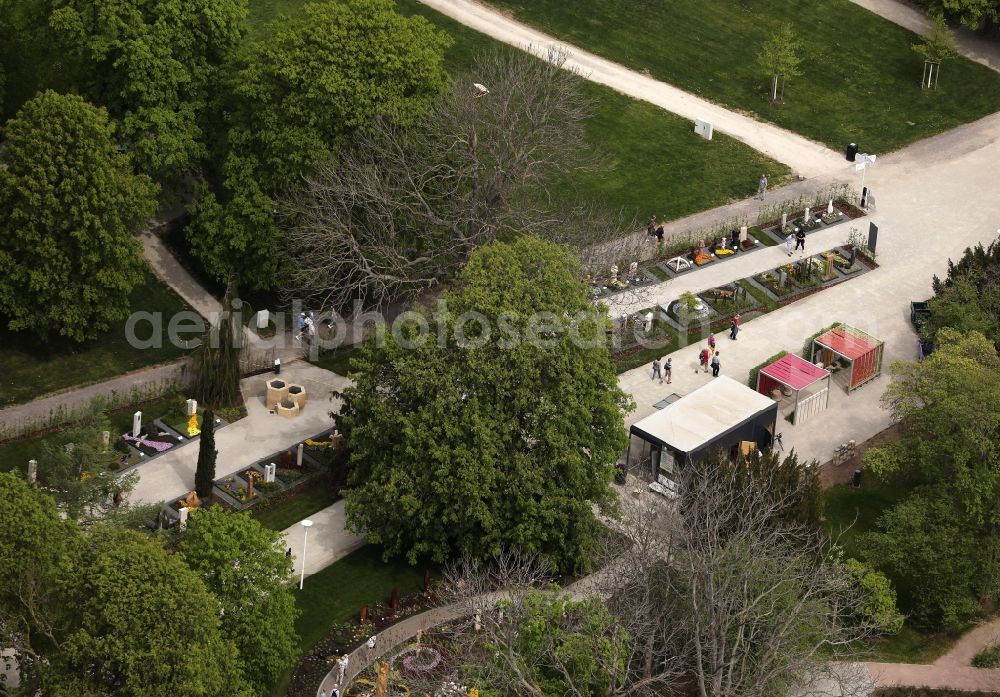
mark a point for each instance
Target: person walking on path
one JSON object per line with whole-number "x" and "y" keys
{"x": 761, "y": 187}
{"x": 703, "y": 359}
{"x": 656, "y": 370}
{"x": 715, "y": 365}
{"x": 651, "y": 226}
{"x": 790, "y": 243}
{"x": 668, "y": 370}
{"x": 342, "y": 668}
{"x": 711, "y": 342}
{"x": 734, "y": 326}
{"x": 800, "y": 241}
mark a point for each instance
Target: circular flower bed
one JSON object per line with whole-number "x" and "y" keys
{"x": 417, "y": 661}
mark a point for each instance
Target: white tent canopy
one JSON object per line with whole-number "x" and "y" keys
{"x": 703, "y": 416}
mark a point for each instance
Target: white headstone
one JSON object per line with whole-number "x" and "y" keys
{"x": 263, "y": 317}
{"x": 782, "y": 278}
{"x": 633, "y": 269}
{"x": 743, "y": 234}
{"x": 649, "y": 322}
{"x": 829, "y": 207}
{"x": 298, "y": 455}
{"x": 192, "y": 407}
{"x": 614, "y": 272}
{"x": 703, "y": 128}
{"x": 269, "y": 473}
{"x": 32, "y": 471}
{"x": 806, "y": 217}
{"x": 136, "y": 424}
{"x": 183, "y": 519}
{"x": 106, "y": 439}
{"x": 784, "y": 220}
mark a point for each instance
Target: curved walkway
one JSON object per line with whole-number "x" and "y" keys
{"x": 952, "y": 670}
{"x": 805, "y": 157}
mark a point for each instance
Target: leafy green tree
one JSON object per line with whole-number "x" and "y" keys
{"x": 779, "y": 59}
{"x": 77, "y": 469}
{"x": 316, "y": 80}
{"x": 959, "y": 307}
{"x": 244, "y": 565}
{"x": 153, "y": 64}
{"x": 933, "y": 563}
{"x": 68, "y": 260}
{"x": 974, "y": 14}
{"x": 34, "y": 547}
{"x": 936, "y": 48}
{"x": 204, "y": 474}
{"x": 322, "y": 76}
{"x": 949, "y": 409}
{"x": 142, "y": 624}
{"x": 880, "y": 609}
{"x": 482, "y": 438}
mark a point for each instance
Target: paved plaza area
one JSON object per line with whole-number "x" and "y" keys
{"x": 934, "y": 199}
{"x": 248, "y": 440}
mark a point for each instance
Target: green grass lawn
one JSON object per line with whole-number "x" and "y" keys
{"x": 290, "y": 511}
{"x": 32, "y": 369}
{"x": 337, "y": 593}
{"x": 338, "y": 360}
{"x": 860, "y": 79}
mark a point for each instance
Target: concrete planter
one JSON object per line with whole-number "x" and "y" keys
{"x": 277, "y": 391}
{"x": 297, "y": 393}
{"x": 287, "y": 408}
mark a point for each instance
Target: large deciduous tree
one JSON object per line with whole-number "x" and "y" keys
{"x": 490, "y": 434}
{"x": 34, "y": 551}
{"x": 154, "y": 65}
{"x": 68, "y": 260}
{"x": 315, "y": 80}
{"x": 948, "y": 406}
{"x": 401, "y": 209}
{"x": 974, "y": 14}
{"x": 140, "y": 623}
{"x": 244, "y": 565}
{"x": 762, "y": 601}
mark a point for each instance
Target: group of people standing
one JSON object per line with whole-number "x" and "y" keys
{"x": 707, "y": 357}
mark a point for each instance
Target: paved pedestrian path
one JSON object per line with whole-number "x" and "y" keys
{"x": 806, "y": 158}
{"x": 36, "y": 413}
{"x": 329, "y": 540}
{"x": 970, "y": 44}
{"x": 169, "y": 270}
{"x": 248, "y": 440}
{"x": 952, "y": 670}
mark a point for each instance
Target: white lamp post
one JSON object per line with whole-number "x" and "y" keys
{"x": 306, "y": 524}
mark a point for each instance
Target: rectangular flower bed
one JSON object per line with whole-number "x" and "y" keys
{"x": 769, "y": 280}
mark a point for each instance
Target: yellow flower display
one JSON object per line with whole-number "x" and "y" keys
{"x": 192, "y": 428}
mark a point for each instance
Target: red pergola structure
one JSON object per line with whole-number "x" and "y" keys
{"x": 861, "y": 350}
{"x": 797, "y": 374}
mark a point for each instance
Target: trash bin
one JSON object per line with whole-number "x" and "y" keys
{"x": 852, "y": 150}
